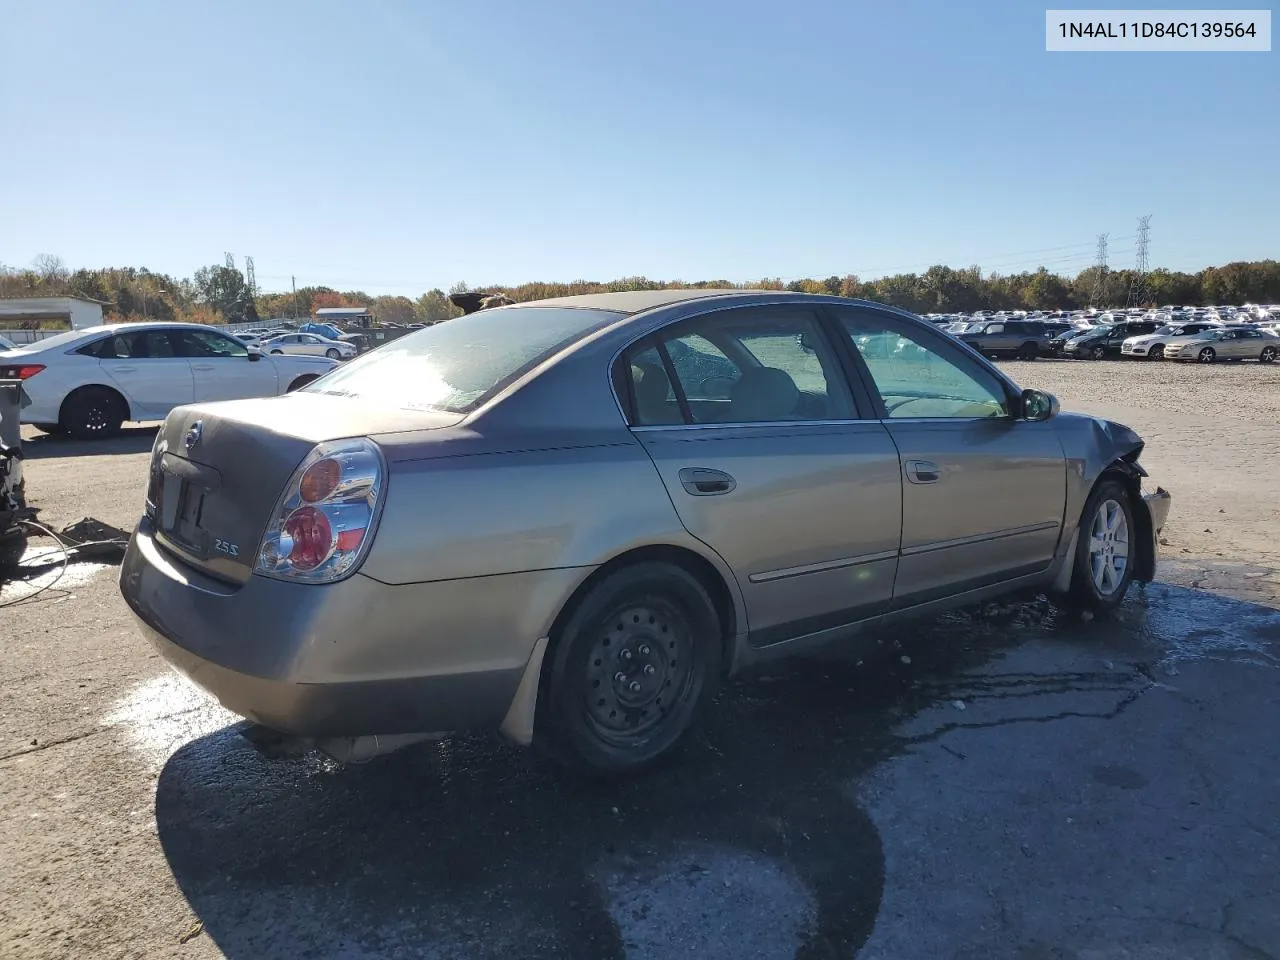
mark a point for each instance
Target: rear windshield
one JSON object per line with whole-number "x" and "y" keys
{"x": 457, "y": 365}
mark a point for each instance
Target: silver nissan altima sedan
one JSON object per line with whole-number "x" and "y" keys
{"x": 569, "y": 520}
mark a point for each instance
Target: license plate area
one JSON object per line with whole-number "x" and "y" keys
{"x": 183, "y": 489}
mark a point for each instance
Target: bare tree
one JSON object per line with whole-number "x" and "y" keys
{"x": 50, "y": 268}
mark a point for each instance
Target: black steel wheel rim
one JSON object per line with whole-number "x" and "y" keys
{"x": 96, "y": 417}
{"x": 640, "y": 671}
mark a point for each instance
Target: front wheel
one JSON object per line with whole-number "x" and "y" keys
{"x": 1157, "y": 352}
{"x": 1268, "y": 355}
{"x": 277, "y": 353}
{"x": 1103, "y": 568}
{"x": 1207, "y": 355}
{"x": 1028, "y": 351}
{"x": 333, "y": 354}
{"x": 629, "y": 672}
{"x": 1099, "y": 353}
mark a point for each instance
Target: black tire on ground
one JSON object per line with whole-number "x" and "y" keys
{"x": 333, "y": 354}
{"x": 1207, "y": 355}
{"x": 93, "y": 413}
{"x": 1157, "y": 352}
{"x": 1107, "y": 511}
{"x": 630, "y": 670}
{"x": 302, "y": 381}
{"x": 1098, "y": 353}
{"x": 1268, "y": 355}
{"x": 277, "y": 353}
{"x": 1028, "y": 351}
{"x": 56, "y": 429}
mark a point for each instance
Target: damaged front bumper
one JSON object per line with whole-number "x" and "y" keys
{"x": 1158, "y": 503}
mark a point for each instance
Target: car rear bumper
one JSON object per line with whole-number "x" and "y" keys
{"x": 348, "y": 659}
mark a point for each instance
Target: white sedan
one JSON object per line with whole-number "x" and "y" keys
{"x": 88, "y": 382}
{"x": 308, "y": 345}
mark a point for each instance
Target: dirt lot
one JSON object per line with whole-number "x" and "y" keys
{"x": 996, "y": 783}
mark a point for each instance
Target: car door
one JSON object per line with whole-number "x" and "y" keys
{"x": 222, "y": 368}
{"x": 1244, "y": 344}
{"x": 984, "y": 492}
{"x": 148, "y": 369}
{"x": 749, "y": 419}
{"x": 310, "y": 345}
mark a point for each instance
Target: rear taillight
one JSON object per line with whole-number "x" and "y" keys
{"x": 158, "y": 449}
{"x": 324, "y": 522}
{"x": 21, "y": 371}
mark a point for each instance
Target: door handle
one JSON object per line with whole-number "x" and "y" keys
{"x": 923, "y": 471}
{"x": 705, "y": 482}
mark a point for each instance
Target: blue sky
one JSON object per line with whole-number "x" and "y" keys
{"x": 396, "y": 146}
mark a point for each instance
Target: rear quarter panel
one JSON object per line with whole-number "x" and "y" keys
{"x": 480, "y": 514}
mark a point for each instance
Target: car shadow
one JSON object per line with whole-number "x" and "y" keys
{"x": 464, "y": 841}
{"x": 49, "y": 446}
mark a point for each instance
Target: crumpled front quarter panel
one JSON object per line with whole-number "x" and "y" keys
{"x": 1091, "y": 445}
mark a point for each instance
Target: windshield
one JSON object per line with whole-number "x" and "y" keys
{"x": 457, "y": 365}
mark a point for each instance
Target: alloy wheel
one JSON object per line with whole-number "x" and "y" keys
{"x": 1109, "y": 547}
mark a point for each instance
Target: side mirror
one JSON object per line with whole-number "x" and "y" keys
{"x": 805, "y": 340}
{"x": 254, "y": 354}
{"x": 1038, "y": 405}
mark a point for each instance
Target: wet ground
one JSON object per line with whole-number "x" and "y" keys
{"x": 1002, "y": 782}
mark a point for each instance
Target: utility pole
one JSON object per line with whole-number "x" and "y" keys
{"x": 294, "y": 281}
{"x": 1100, "y": 278}
{"x": 249, "y": 279}
{"x": 230, "y": 261}
{"x": 1139, "y": 290}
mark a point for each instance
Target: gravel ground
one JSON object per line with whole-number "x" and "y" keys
{"x": 996, "y": 783}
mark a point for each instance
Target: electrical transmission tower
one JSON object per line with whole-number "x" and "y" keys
{"x": 1140, "y": 289}
{"x": 230, "y": 262}
{"x": 1100, "y": 279}
{"x": 249, "y": 278}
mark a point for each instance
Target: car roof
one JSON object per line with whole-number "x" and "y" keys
{"x": 638, "y": 301}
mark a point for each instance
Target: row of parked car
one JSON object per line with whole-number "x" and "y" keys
{"x": 1150, "y": 337}
{"x": 307, "y": 340}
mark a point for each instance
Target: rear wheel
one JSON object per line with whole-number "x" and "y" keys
{"x": 1028, "y": 351}
{"x": 1103, "y": 568}
{"x": 630, "y": 670}
{"x": 1157, "y": 352}
{"x": 1268, "y": 355}
{"x": 93, "y": 413}
{"x": 333, "y": 354}
{"x": 301, "y": 382}
{"x": 1099, "y": 353}
{"x": 1207, "y": 355}
{"x": 277, "y": 353}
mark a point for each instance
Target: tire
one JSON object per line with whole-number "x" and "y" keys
{"x": 1028, "y": 351}
{"x": 333, "y": 354}
{"x": 277, "y": 353}
{"x": 1098, "y": 353}
{"x": 301, "y": 382}
{"x": 54, "y": 429}
{"x": 644, "y": 634}
{"x": 93, "y": 413}
{"x": 1093, "y": 586}
{"x": 1207, "y": 355}
{"x": 1157, "y": 352}
{"x": 1268, "y": 355}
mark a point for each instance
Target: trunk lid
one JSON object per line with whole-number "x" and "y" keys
{"x": 225, "y": 465}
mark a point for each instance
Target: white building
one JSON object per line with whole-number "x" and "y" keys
{"x": 73, "y": 311}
